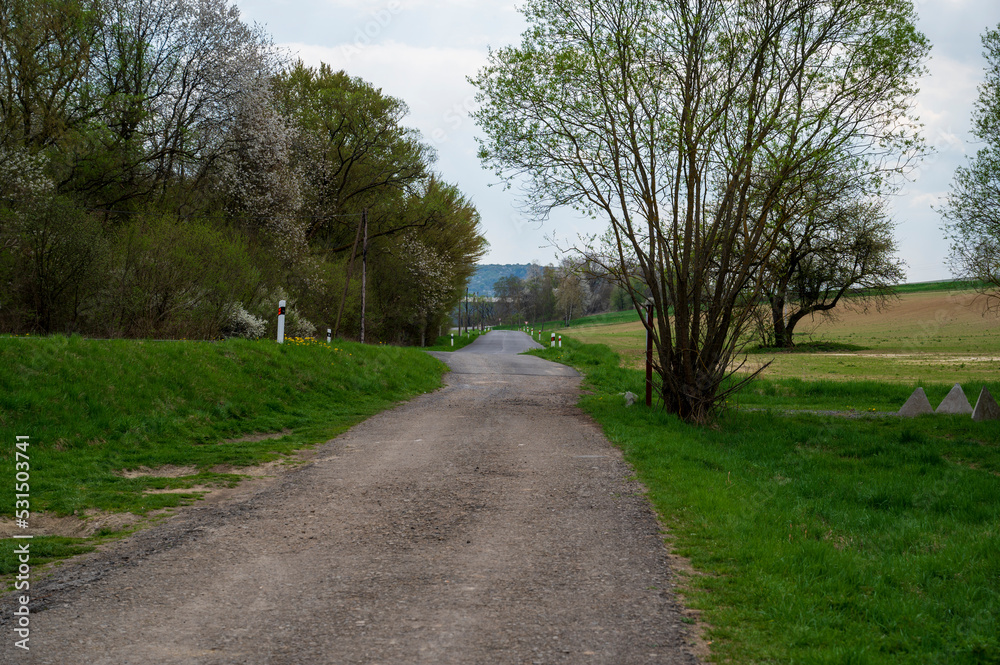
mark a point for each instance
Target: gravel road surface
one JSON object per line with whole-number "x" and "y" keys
{"x": 489, "y": 522}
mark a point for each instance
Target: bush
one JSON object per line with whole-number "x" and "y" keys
{"x": 176, "y": 279}
{"x": 242, "y": 323}
{"x": 51, "y": 264}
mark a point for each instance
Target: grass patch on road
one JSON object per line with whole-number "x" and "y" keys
{"x": 95, "y": 410}
{"x": 821, "y": 539}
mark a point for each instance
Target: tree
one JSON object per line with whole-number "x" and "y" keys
{"x": 359, "y": 156}
{"x": 572, "y": 295}
{"x": 834, "y": 241}
{"x": 509, "y": 292}
{"x": 973, "y": 205}
{"x": 660, "y": 115}
{"x": 44, "y": 56}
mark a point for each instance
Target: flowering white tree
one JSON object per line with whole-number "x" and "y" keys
{"x": 170, "y": 78}
{"x": 260, "y": 174}
{"x": 433, "y": 280}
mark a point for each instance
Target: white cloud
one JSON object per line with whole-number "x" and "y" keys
{"x": 944, "y": 103}
{"x": 431, "y": 80}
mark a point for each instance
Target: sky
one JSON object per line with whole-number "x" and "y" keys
{"x": 422, "y": 51}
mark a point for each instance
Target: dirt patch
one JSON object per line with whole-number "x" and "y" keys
{"x": 256, "y": 438}
{"x": 194, "y": 489}
{"x": 272, "y": 468}
{"x": 166, "y": 471}
{"x": 71, "y": 526}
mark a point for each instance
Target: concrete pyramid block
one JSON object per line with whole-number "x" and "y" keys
{"x": 917, "y": 404}
{"x": 986, "y": 407}
{"x": 955, "y": 402}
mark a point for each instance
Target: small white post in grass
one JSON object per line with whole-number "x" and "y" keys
{"x": 453, "y": 339}
{"x": 560, "y": 341}
{"x": 281, "y": 322}
{"x": 329, "y": 335}
{"x": 552, "y": 342}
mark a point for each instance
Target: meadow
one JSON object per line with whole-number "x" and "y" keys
{"x": 819, "y": 527}
{"x": 924, "y": 336}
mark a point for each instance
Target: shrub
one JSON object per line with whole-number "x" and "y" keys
{"x": 242, "y": 323}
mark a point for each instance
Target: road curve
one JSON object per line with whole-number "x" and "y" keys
{"x": 489, "y": 522}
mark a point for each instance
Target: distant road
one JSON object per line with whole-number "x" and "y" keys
{"x": 496, "y": 353}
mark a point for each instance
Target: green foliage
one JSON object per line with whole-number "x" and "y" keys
{"x": 973, "y": 203}
{"x": 159, "y": 171}
{"x": 821, "y": 539}
{"x": 176, "y": 279}
{"x": 53, "y": 263}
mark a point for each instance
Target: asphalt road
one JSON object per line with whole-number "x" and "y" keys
{"x": 489, "y": 522}
{"x": 496, "y": 353}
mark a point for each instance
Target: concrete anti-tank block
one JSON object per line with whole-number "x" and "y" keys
{"x": 986, "y": 407}
{"x": 956, "y": 402}
{"x": 918, "y": 404}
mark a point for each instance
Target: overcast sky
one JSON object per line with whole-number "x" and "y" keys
{"x": 421, "y": 51}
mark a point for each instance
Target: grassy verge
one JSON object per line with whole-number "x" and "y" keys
{"x": 95, "y": 409}
{"x": 444, "y": 342}
{"x": 820, "y": 539}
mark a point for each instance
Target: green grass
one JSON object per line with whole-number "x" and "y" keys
{"x": 44, "y": 549}
{"x": 946, "y": 285}
{"x": 444, "y": 342}
{"x": 821, "y": 539}
{"x": 93, "y": 409}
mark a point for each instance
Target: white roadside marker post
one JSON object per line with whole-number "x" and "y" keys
{"x": 281, "y": 322}
{"x": 329, "y": 334}
{"x": 560, "y": 341}
{"x": 552, "y": 342}
{"x": 453, "y": 339}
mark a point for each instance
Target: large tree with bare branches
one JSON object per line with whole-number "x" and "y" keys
{"x": 665, "y": 116}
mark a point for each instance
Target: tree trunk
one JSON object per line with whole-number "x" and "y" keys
{"x": 782, "y": 334}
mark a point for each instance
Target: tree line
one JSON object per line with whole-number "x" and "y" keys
{"x": 546, "y": 293}
{"x": 165, "y": 171}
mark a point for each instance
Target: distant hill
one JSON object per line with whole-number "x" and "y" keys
{"x": 486, "y": 275}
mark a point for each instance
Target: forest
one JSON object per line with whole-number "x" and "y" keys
{"x": 167, "y": 172}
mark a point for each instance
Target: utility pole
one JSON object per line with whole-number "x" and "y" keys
{"x": 364, "y": 271}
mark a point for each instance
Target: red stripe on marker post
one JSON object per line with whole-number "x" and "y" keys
{"x": 281, "y": 322}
